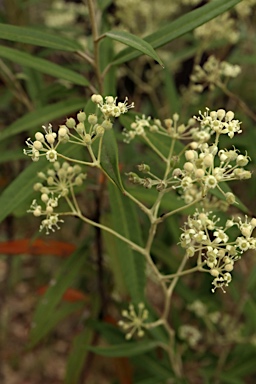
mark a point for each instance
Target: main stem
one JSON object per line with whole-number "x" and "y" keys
{"x": 95, "y": 35}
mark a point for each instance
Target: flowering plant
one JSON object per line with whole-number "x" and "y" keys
{"x": 158, "y": 242}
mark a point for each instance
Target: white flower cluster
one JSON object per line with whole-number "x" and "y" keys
{"x": 111, "y": 108}
{"x": 218, "y": 122}
{"x": 202, "y": 236}
{"x": 56, "y": 183}
{"x": 207, "y": 166}
{"x": 44, "y": 144}
{"x": 84, "y": 131}
{"x": 190, "y": 334}
{"x": 223, "y": 27}
{"x": 134, "y": 321}
{"x": 211, "y": 73}
{"x": 171, "y": 128}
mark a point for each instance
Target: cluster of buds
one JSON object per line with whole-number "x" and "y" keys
{"x": 111, "y": 108}
{"x": 55, "y": 183}
{"x": 212, "y": 73}
{"x": 83, "y": 131}
{"x": 208, "y": 166}
{"x": 203, "y": 236}
{"x": 134, "y": 321}
{"x": 146, "y": 182}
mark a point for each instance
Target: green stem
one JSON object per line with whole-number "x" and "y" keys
{"x": 163, "y": 217}
{"x": 94, "y": 164}
{"x": 95, "y": 36}
{"x": 133, "y": 245}
{"x": 237, "y": 99}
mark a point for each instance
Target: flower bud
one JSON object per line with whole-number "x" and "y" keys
{"x": 92, "y": 119}
{"x": 100, "y": 130}
{"x": 214, "y": 272}
{"x": 230, "y": 197}
{"x": 70, "y": 122}
{"x": 199, "y": 173}
{"x": 81, "y": 116}
{"x": 44, "y": 197}
{"x": 208, "y": 160}
{"x": 106, "y": 124}
{"x": 87, "y": 139}
{"x": 188, "y": 166}
{"x": 97, "y": 99}
{"x": 80, "y": 128}
{"x": 143, "y": 168}
{"x": 39, "y": 136}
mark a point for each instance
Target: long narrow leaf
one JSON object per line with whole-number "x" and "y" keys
{"x": 41, "y": 116}
{"x": 179, "y": 27}
{"x": 37, "y": 37}
{"x": 126, "y": 349}
{"x": 45, "y": 311}
{"x": 134, "y": 42}
{"x": 109, "y": 159}
{"x": 125, "y": 221}
{"x": 42, "y": 65}
{"x": 77, "y": 356}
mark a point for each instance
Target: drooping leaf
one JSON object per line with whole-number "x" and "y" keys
{"x": 41, "y": 116}
{"x": 42, "y": 65}
{"x": 179, "y": 27}
{"x": 37, "y": 37}
{"x": 135, "y": 42}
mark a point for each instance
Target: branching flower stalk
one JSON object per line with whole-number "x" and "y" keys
{"x": 192, "y": 175}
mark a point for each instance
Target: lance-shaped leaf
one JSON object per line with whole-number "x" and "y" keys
{"x": 132, "y": 264}
{"x": 42, "y": 116}
{"x": 42, "y": 65}
{"x": 37, "y": 37}
{"x": 179, "y": 27}
{"x": 45, "y": 314}
{"x": 135, "y": 42}
{"x": 127, "y": 349}
{"x": 109, "y": 159}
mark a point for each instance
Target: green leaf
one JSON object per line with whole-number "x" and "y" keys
{"x": 45, "y": 315}
{"x": 127, "y": 349}
{"x": 42, "y": 329}
{"x": 42, "y": 65}
{"x": 7, "y": 156}
{"x": 134, "y": 42}
{"x": 22, "y": 187}
{"x": 112, "y": 250}
{"x": 37, "y": 37}
{"x": 77, "y": 356}
{"x": 154, "y": 367}
{"x": 42, "y": 116}
{"x": 109, "y": 159}
{"x": 125, "y": 221}
{"x": 179, "y": 27}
